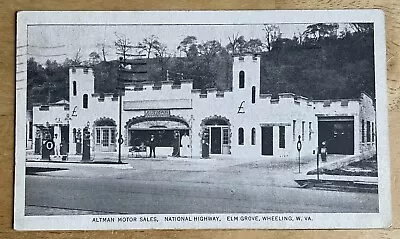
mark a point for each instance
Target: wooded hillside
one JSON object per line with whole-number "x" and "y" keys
{"x": 318, "y": 63}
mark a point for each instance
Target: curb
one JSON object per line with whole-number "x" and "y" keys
{"x": 339, "y": 185}
{"x": 83, "y": 164}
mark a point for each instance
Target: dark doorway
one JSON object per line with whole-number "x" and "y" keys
{"x": 338, "y": 135}
{"x": 215, "y": 140}
{"x": 267, "y": 141}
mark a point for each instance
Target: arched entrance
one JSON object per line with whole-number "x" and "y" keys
{"x": 105, "y": 135}
{"x": 218, "y": 129}
{"x": 165, "y": 129}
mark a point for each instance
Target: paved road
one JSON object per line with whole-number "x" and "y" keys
{"x": 163, "y": 186}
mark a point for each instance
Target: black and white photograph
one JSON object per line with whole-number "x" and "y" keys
{"x": 230, "y": 119}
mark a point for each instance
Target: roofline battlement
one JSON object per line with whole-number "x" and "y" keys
{"x": 342, "y": 102}
{"x": 209, "y": 92}
{"x": 265, "y": 96}
{"x": 101, "y": 97}
{"x": 297, "y": 99}
{"x": 159, "y": 85}
{"x": 80, "y": 70}
{"x": 244, "y": 57}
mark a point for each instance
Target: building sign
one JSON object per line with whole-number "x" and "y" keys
{"x": 157, "y": 113}
{"x": 240, "y": 108}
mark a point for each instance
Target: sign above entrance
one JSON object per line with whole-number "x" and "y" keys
{"x": 157, "y": 113}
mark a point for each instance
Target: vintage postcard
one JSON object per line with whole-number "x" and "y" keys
{"x": 201, "y": 119}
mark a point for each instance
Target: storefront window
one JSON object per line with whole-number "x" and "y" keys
{"x": 225, "y": 136}
{"x": 105, "y": 141}
{"x": 373, "y": 132}
{"x": 112, "y": 136}
{"x": 362, "y": 131}
{"x": 97, "y": 136}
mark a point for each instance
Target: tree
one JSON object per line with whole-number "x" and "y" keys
{"x": 149, "y": 45}
{"x": 163, "y": 56}
{"x": 253, "y": 46}
{"x": 46, "y": 84}
{"x": 123, "y": 45}
{"x": 362, "y": 27}
{"x": 272, "y": 34}
{"x": 236, "y": 44}
{"x": 77, "y": 59}
{"x": 321, "y": 30}
{"x": 187, "y": 44}
{"x": 210, "y": 48}
{"x": 94, "y": 58}
{"x": 103, "y": 48}
{"x": 208, "y": 52}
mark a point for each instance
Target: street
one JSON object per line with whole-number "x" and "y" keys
{"x": 183, "y": 186}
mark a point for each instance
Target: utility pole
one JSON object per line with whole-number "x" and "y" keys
{"x": 121, "y": 65}
{"x": 123, "y": 46}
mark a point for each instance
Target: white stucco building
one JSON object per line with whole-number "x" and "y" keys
{"x": 241, "y": 122}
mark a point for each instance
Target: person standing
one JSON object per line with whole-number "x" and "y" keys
{"x": 152, "y": 145}
{"x": 176, "y": 152}
{"x": 185, "y": 142}
{"x": 57, "y": 145}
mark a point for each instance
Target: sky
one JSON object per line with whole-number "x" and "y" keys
{"x": 57, "y": 42}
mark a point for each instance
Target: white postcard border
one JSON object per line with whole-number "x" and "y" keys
{"x": 319, "y": 220}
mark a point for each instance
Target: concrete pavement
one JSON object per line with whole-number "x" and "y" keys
{"x": 184, "y": 185}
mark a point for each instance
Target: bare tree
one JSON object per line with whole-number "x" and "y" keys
{"x": 272, "y": 34}
{"x": 162, "y": 55}
{"x": 77, "y": 60}
{"x": 123, "y": 45}
{"x": 362, "y": 27}
{"x": 103, "y": 48}
{"x": 300, "y": 37}
{"x": 149, "y": 45}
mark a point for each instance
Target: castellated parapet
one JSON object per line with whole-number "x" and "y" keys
{"x": 81, "y": 70}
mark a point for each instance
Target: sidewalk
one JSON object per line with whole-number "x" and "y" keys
{"x": 215, "y": 162}
{"x": 73, "y": 160}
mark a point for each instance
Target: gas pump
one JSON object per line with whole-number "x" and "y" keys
{"x": 324, "y": 152}
{"x": 47, "y": 146}
{"x": 38, "y": 142}
{"x": 205, "y": 149}
{"x": 86, "y": 144}
{"x": 78, "y": 142}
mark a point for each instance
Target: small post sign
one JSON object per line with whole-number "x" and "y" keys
{"x": 299, "y": 149}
